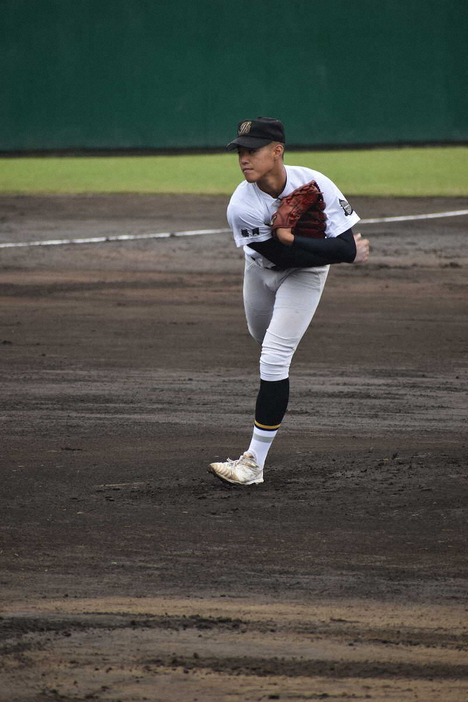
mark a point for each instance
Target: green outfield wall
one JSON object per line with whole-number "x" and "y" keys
{"x": 179, "y": 74}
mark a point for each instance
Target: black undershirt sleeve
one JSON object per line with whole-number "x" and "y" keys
{"x": 305, "y": 252}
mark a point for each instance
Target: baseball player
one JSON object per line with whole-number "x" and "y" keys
{"x": 293, "y": 222}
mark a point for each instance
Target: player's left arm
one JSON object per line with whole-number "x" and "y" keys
{"x": 303, "y": 252}
{"x": 325, "y": 228}
{"x": 344, "y": 248}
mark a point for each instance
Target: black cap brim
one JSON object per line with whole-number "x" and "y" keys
{"x": 247, "y": 143}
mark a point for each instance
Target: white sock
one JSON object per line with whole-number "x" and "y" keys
{"x": 261, "y": 443}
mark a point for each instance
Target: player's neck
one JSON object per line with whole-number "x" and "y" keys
{"x": 274, "y": 182}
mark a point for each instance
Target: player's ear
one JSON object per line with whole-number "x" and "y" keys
{"x": 278, "y": 149}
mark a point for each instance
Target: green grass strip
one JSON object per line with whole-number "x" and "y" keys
{"x": 405, "y": 171}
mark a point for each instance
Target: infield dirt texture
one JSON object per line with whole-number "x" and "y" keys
{"x": 127, "y": 571}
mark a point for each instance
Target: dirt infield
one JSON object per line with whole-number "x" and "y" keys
{"x": 127, "y": 571}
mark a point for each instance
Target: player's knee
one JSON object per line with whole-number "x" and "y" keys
{"x": 274, "y": 365}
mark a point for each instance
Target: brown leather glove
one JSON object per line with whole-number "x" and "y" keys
{"x": 302, "y": 211}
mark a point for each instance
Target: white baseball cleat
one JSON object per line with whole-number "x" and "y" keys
{"x": 244, "y": 471}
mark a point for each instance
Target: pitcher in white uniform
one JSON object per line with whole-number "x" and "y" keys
{"x": 284, "y": 275}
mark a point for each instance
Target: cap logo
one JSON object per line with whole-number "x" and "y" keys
{"x": 244, "y": 128}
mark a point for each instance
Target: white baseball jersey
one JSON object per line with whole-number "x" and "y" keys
{"x": 250, "y": 210}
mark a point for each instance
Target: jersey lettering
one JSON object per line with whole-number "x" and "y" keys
{"x": 255, "y": 232}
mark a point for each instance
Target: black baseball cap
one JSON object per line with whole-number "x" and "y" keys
{"x": 254, "y": 133}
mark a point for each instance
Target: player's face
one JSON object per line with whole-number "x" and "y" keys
{"x": 257, "y": 163}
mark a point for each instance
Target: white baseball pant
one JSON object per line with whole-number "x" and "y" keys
{"x": 279, "y": 306}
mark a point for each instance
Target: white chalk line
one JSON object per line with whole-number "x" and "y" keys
{"x": 407, "y": 218}
{"x": 197, "y": 232}
{"x": 119, "y": 237}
